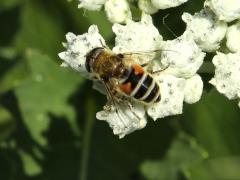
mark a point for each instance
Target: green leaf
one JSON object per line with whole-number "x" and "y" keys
{"x": 8, "y": 53}
{"x": 30, "y": 166}
{"x": 14, "y": 76}
{"x": 81, "y": 19}
{"x": 7, "y": 123}
{"x": 183, "y": 153}
{"x": 7, "y": 4}
{"x": 46, "y": 92}
{"x": 40, "y": 29}
{"x": 217, "y": 168}
{"x": 215, "y": 122}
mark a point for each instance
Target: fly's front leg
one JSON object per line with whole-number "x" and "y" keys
{"x": 144, "y": 65}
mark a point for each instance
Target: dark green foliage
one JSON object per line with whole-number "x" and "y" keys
{"x": 48, "y": 129}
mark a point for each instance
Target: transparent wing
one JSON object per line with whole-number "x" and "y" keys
{"x": 147, "y": 52}
{"x": 144, "y": 58}
{"x": 99, "y": 86}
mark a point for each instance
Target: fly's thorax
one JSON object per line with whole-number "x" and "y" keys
{"x": 105, "y": 63}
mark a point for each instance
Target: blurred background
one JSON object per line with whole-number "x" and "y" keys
{"x": 48, "y": 129}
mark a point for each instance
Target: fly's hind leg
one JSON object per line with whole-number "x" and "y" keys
{"x": 114, "y": 102}
{"x": 128, "y": 103}
{"x": 131, "y": 109}
{"x": 119, "y": 100}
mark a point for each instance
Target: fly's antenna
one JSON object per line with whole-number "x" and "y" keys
{"x": 168, "y": 28}
{"x": 84, "y": 12}
{"x": 101, "y": 42}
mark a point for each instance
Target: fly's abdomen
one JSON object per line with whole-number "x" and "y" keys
{"x": 141, "y": 86}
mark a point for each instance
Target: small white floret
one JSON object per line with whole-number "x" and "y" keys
{"x": 226, "y": 10}
{"x": 172, "y": 96}
{"x": 140, "y": 37}
{"x": 92, "y": 5}
{"x": 118, "y": 11}
{"x": 227, "y": 74}
{"x": 126, "y": 120}
{"x": 233, "y": 37}
{"x": 137, "y": 36}
{"x": 182, "y": 57}
{"x": 164, "y": 4}
{"x": 147, "y": 6}
{"x": 78, "y": 46}
{"x": 193, "y": 89}
{"x": 205, "y": 29}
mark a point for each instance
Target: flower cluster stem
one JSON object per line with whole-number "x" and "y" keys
{"x": 90, "y": 110}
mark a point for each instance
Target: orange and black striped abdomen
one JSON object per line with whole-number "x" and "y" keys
{"x": 140, "y": 85}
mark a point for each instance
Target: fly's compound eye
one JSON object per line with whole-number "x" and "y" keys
{"x": 87, "y": 63}
{"x": 92, "y": 56}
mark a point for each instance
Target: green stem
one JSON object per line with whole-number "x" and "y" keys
{"x": 87, "y": 138}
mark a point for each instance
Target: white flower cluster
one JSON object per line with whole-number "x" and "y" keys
{"x": 208, "y": 28}
{"x": 174, "y": 67}
{"x": 118, "y": 11}
{"x": 227, "y": 74}
{"x": 77, "y": 48}
{"x": 224, "y": 10}
{"x": 227, "y": 65}
{"x": 180, "y": 59}
{"x": 205, "y": 29}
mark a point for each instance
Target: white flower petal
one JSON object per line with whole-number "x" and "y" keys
{"x": 147, "y": 6}
{"x": 227, "y": 74}
{"x": 205, "y": 30}
{"x": 79, "y": 46}
{"x": 118, "y": 11}
{"x": 182, "y": 57}
{"x": 226, "y": 10}
{"x": 137, "y": 36}
{"x": 92, "y": 5}
{"x": 164, "y": 4}
{"x": 233, "y": 37}
{"x": 172, "y": 95}
{"x": 126, "y": 121}
{"x": 193, "y": 89}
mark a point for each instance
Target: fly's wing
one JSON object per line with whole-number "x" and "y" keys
{"x": 141, "y": 57}
{"x": 150, "y": 60}
{"x": 99, "y": 86}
